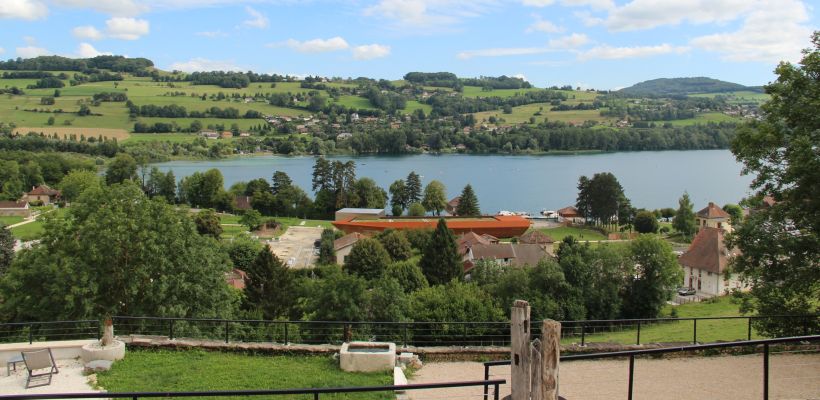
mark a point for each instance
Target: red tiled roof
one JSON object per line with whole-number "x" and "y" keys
{"x": 535, "y": 237}
{"x": 236, "y": 278}
{"x": 499, "y": 225}
{"x": 569, "y": 212}
{"x": 347, "y": 240}
{"x": 44, "y": 190}
{"x": 13, "y": 204}
{"x": 454, "y": 202}
{"x": 515, "y": 254}
{"x": 713, "y": 211}
{"x": 707, "y": 251}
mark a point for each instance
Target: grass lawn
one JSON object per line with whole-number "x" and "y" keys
{"x": 30, "y": 231}
{"x": 10, "y": 220}
{"x": 196, "y": 370}
{"x": 682, "y": 331}
{"x": 704, "y": 118}
{"x": 558, "y": 234}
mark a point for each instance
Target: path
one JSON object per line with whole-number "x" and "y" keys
{"x": 29, "y": 220}
{"x": 792, "y": 376}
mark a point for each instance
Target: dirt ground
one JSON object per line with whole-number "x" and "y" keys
{"x": 792, "y": 376}
{"x": 295, "y": 246}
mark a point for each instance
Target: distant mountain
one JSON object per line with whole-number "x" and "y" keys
{"x": 683, "y": 86}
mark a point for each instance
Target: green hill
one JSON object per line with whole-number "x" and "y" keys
{"x": 665, "y": 87}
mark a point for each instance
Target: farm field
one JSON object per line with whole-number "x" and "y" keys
{"x": 197, "y": 370}
{"x": 65, "y": 132}
{"x": 522, "y": 114}
{"x": 705, "y": 118}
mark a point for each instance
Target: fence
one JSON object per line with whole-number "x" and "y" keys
{"x": 765, "y": 345}
{"x": 280, "y": 392}
{"x": 626, "y": 331}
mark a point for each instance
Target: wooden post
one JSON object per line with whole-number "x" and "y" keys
{"x": 520, "y": 350}
{"x": 536, "y": 365}
{"x": 550, "y": 354}
{"x": 108, "y": 332}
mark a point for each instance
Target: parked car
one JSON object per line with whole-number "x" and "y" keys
{"x": 685, "y": 291}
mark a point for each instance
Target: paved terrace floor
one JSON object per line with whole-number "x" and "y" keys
{"x": 69, "y": 380}
{"x": 792, "y": 376}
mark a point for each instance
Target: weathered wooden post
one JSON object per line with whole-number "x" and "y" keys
{"x": 108, "y": 332}
{"x": 535, "y": 375}
{"x": 550, "y": 354}
{"x": 520, "y": 350}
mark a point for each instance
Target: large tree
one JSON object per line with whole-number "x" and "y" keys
{"x": 269, "y": 285}
{"x": 646, "y": 222}
{"x": 653, "y": 272}
{"x": 468, "y": 203}
{"x": 116, "y": 252}
{"x": 413, "y": 189}
{"x": 440, "y": 260}
{"x": 368, "y": 259}
{"x": 435, "y": 197}
{"x": 207, "y": 223}
{"x": 369, "y": 194}
{"x": 123, "y": 167}
{"x": 684, "y": 220}
{"x": 398, "y": 197}
{"x": 77, "y": 181}
{"x": 6, "y": 249}
{"x": 601, "y": 198}
{"x": 780, "y": 245}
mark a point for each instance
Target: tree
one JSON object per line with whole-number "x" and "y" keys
{"x": 207, "y": 223}
{"x": 387, "y": 301}
{"x": 322, "y": 175}
{"x": 602, "y": 199}
{"x": 327, "y": 252}
{"x": 161, "y": 184}
{"x": 6, "y": 249}
{"x": 646, "y": 222}
{"x": 667, "y": 213}
{"x": 398, "y": 196}
{"x": 281, "y": 181}
{"x": 257, "y": 185}
{"x": 455, "y": 301}
{"x": 396, "y": 244}
{"x": 780, "y": 245}
{"x": 736, "y": 213}
{"x": 408, "y": 274}
{"x": 120, "y": 253}
{"x": 416, "y": 210}
{"x": 369, "y": 194}
{"x": 269, "y": 285}
{"x": 653, "y": 274}
{"x": 252, "y": 219}
{"x": 345, "y": 292}
{"x": 684, "y": 221}
{"x": 435, "y": 199}
{"x": 468, "y": 204}
{"x": 243, "y": 250}
{"x": 123, "y": 167}
{"x": 440, "y": 260}
{"x": 413, "y": 188}
{"x": 367, "y": 258}
{"x": 75, "y": 182}
{"x": 582, "y": 203}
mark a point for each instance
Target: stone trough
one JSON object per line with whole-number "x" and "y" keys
{"x": 367, "y": 356}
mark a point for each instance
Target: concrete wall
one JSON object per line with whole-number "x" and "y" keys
{"x": 61, "y": 349}
{"x": 17, "y": 212}
{"x": 711, "y": 283}
{"x": 342, "y": 253}
{"x": 344, "y": 216}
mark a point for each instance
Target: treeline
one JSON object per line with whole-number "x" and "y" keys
{"x": 225, "y": 79}
{"x": 58, "y": 63}
{"x": 101, "y": 76}
{"x": 446, "y": 105}
{"x": 22, "y": 170}
{"x": 38, "y": 142}
{"x": 26, "y": 75}
{"x": 176, "y": 111}
{"x": 450, "y": 80}
{"x": 110, "y": 97}
{"x": 387, "y": 101}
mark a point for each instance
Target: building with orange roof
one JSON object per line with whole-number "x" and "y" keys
{"x": 43, "y": 194}
{"x": 713, "y": 217}
{"x": 705, "y": 262}
{"x": 499, "y": 226}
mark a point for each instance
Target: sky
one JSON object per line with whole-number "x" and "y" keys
{"x": 601, "y": 44}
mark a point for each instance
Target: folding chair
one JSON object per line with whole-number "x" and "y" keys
{"x": 39, "y": 360}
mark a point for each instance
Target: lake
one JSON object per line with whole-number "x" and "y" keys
{"x": 651, "y": 179}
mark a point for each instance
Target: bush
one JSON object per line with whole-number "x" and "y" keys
{"x": 396, "y": 244}
{"x": 408, "y": 274}
{"x": 416, "y": 210}
{"x": 645, "y": 222}
{"x": 368, "y": 259}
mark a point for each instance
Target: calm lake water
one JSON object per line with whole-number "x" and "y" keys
{"x": 522, "y": 183}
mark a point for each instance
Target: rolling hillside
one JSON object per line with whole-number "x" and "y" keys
{"x": 665, "y": 87}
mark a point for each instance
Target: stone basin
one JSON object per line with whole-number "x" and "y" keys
{"x": 367, "y": 356}
{"x": 96, "y": 351}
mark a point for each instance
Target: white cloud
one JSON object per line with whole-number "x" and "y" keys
{"x": 542, "y": 25}
{"x": 775, "y": 31}
{"x": 502, "y": 52}
{"x": 370, "y": 51}
{"x": 87, "y": 32}
{"x": 570, "y": 41}
{"x": 22, "y": 9}
{"x": 318, "y": 45}
{"x": 257, "y": 19}
{"x": 119, "y": 8}
{"x": 204, "y": 64}
{"x": 126, "y": 28}
{"x": 429, "y": 14}
{"x": 212, "y": 34}
{"x": 595, "y": 4}
{"x": 520, "y": 76}
{"x": 86, "y": 50}
{"x": 31, "y": 51}
{"x": 2, "y": 50}
{"x": 647, "y": 14}
{"x": 612, "y": 53}
{"x": 537, "y": 3}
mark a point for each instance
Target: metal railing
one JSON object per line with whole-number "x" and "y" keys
{"x": 631, "y": 354}
{"x": 272, "y": 392}
{"x": 51, "y": 330}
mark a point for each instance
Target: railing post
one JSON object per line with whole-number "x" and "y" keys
{"x": 805, "y": 326}
{"x": 583, "y": 334}
{"x": 695, "y": 331}
{"x": 171, "y": 329}
{"x": 749, "y": 330}
{"x": 30, "y": 333}
{"x": 227, "y": 331}
{"x": 631, "y": 375}
{"x": 486, "y": 378}
{"x": 405, "y": 343}
{"x": 495, "y": 395}
{"x": 765, "y": 371}
{"x": 638, "y": 338}
{"x": 315, "y": 395}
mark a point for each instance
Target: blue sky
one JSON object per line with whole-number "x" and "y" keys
{"x": 602, "y": 44}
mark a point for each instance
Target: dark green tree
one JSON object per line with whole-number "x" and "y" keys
{"x": 780, "y": 245}
{"x": 435, "y": 199}
{"x": 684, "y": 221}
{"x": 252, "y": 219}
{"x": 736, "y": 213}
{"x": 408, "y": 274}
{"x": 396, "y": 244}
{"x": 416, "y": 210}
{"x": 646, "y": 222}
{"x": 327, "y": 252}
{"x": 367, "y": 258}
{"x": 468, "y": 204}
{"x": 123, "y": 167}
{"x": 281, "y": 181}
{"x": 398, "y": 196}
{"x": 440, "y": 260}
{"x": 242, "y": 250}
{"x": 413, "y": 188}
{"x": 369, "y": 194}
{"x": 653, "y": 274}
{"x": 336, "y": 297}
{"x": 257, "y": 185}
{"x": 207, "y": 223}
{"x": 6, "y": 249}
{"x": 269, "y": 285}
{"x": 322, "y": 175}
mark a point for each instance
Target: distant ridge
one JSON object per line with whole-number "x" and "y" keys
{"x": 684, "y": 86}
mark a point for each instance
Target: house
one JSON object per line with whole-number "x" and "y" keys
{"x": 713, "y": 217}
{"x": 210, "y": 135}
{"x": 536, "y": 237}
{"x": 452, "y": 205}
{"x": 236, "y": 278}
{"x": 226, "y": 134}
{"x": 346, "y": 214}
{"x": 354, "y": 117}
{"x": 344, "y": 135}
{"x": 15, "y": 209}
{"x": 704, "y": 264}
{"x": 474, "y": 247}
{"x": 570, "y": 214}
{"x": 244, "y": 134}
{"x": 243, "y": 202}
{"x": 343, "y": 245}
{"x": 43, "y": 194}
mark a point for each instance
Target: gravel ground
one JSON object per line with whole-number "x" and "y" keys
{"x": 297, "y": 244}
{"x": 69, "y": 380}
{"x": 792, "y": 376}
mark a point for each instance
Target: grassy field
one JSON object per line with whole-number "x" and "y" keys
{"x": 558, "y": 234}
{"x": 681, "y": 331}
{"x": 10, "y": 220}
{"x": 743, "y": 96}
{"x": 33, "y": 230}
{"x": 522, "y": 114}
{"x": 705, "y": 118}
{"x": 230, "y": 229}
{"x": 196, "y": 370}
